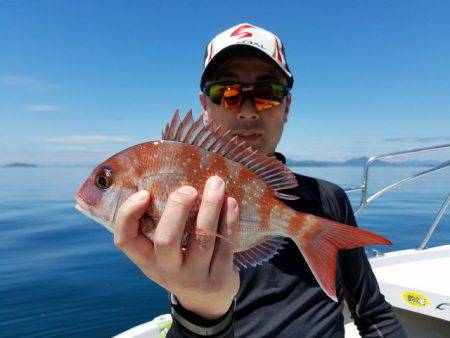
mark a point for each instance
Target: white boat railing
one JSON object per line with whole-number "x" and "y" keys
{"x": 365, "y": 200}
{"x": 435, "y": 223}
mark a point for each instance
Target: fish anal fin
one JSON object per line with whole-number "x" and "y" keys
{"x": 286, "y": 196}
{"x": 259, "y": 254}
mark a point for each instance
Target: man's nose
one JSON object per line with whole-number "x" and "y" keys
{"x": 247, "y": 111}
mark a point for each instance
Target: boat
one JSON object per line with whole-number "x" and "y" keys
{"x": 416, "y": 281}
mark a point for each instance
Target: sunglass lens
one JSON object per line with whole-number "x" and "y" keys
{"x": 216, "y": 93}
{"x": 261, "y": 104}
{"x": 268, "y": 95}
{"x": 228, "y": 96}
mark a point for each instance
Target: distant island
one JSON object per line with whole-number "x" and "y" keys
{"x": 20, "y": 165}
{"x": 354, "y": 162}
{"x": 359, "y": 162}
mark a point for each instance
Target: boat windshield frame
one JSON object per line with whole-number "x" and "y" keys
{"x": 366, "y": 200}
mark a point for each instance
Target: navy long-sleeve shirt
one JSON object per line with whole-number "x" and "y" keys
{"x": 281, "y": 298}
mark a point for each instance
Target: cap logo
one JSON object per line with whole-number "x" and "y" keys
{"x": 241, "y": 33}
{"x": 252, "y": 43}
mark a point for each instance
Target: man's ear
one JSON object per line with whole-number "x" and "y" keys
{"x": 288, "y": 105}
{"x": 202, "y": 98}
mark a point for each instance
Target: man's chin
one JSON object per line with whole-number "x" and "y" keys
{"x": 254, "y": 142}
{"x": 262, "y": 148}
{"x": 256, "y": 145}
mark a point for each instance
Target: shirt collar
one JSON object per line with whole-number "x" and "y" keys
{"x": 280, "y": 157}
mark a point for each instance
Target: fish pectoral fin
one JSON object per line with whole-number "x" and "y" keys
{"x": 202, "y": 232}
{"x": 259, "y": 254}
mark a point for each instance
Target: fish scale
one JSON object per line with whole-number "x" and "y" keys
{"x": 191, "y": 152}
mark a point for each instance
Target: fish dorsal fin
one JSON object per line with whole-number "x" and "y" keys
{"x": 259, "y": 254}
{"x": 273, "y": 172}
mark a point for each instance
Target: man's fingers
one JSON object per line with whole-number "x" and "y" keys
{"x": 128, "y": 216}
{"x": 126, "y": 229}
{"x": 201, "y": 245}
{"x": 222, "y": 259}
{"x": 171, "y": 226}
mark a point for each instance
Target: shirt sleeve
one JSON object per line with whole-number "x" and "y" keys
{"x": 372, "y": 314}
{"x": 179, "y": 330}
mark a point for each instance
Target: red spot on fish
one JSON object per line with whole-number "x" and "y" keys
{"x": 265, "y": 204}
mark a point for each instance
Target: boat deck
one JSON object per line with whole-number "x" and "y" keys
{"x": 416, "y": 280}
{"x": 417, "y": 284}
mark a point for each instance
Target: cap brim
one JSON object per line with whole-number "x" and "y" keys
{"x": 246, "y": 50}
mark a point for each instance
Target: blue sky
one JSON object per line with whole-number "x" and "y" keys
{"x": 80, "y": 80}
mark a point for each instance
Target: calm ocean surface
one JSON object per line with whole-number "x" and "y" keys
{"x": 61, "y": 275}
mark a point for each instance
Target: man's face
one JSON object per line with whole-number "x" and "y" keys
{"x": 261, "y": 129}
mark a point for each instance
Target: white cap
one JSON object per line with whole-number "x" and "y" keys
{"x": 248, "y": 37}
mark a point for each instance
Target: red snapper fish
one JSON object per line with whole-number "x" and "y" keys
{"x": 191, "y": 152}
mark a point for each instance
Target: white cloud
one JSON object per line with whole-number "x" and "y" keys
{"x": 419, "y": 139}
{"x": 27, "y": 83}
{"x": 86, "y": 139}
{"x": 43, "y": 108}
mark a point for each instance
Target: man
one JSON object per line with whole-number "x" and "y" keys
{"x": 245, "y": 87}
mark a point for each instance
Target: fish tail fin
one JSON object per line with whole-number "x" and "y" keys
{"x": 319, "y": 240}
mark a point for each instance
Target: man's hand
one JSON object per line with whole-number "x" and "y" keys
{"x": 203, "y": 277}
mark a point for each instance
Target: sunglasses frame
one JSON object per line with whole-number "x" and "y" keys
{"x": 244, "y": 87}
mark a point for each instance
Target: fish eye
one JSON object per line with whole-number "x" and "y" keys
{"x": 103, "y": 180}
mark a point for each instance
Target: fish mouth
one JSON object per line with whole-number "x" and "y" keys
{"x": 81, "y": 205}
{"x": 87, "y": 210}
